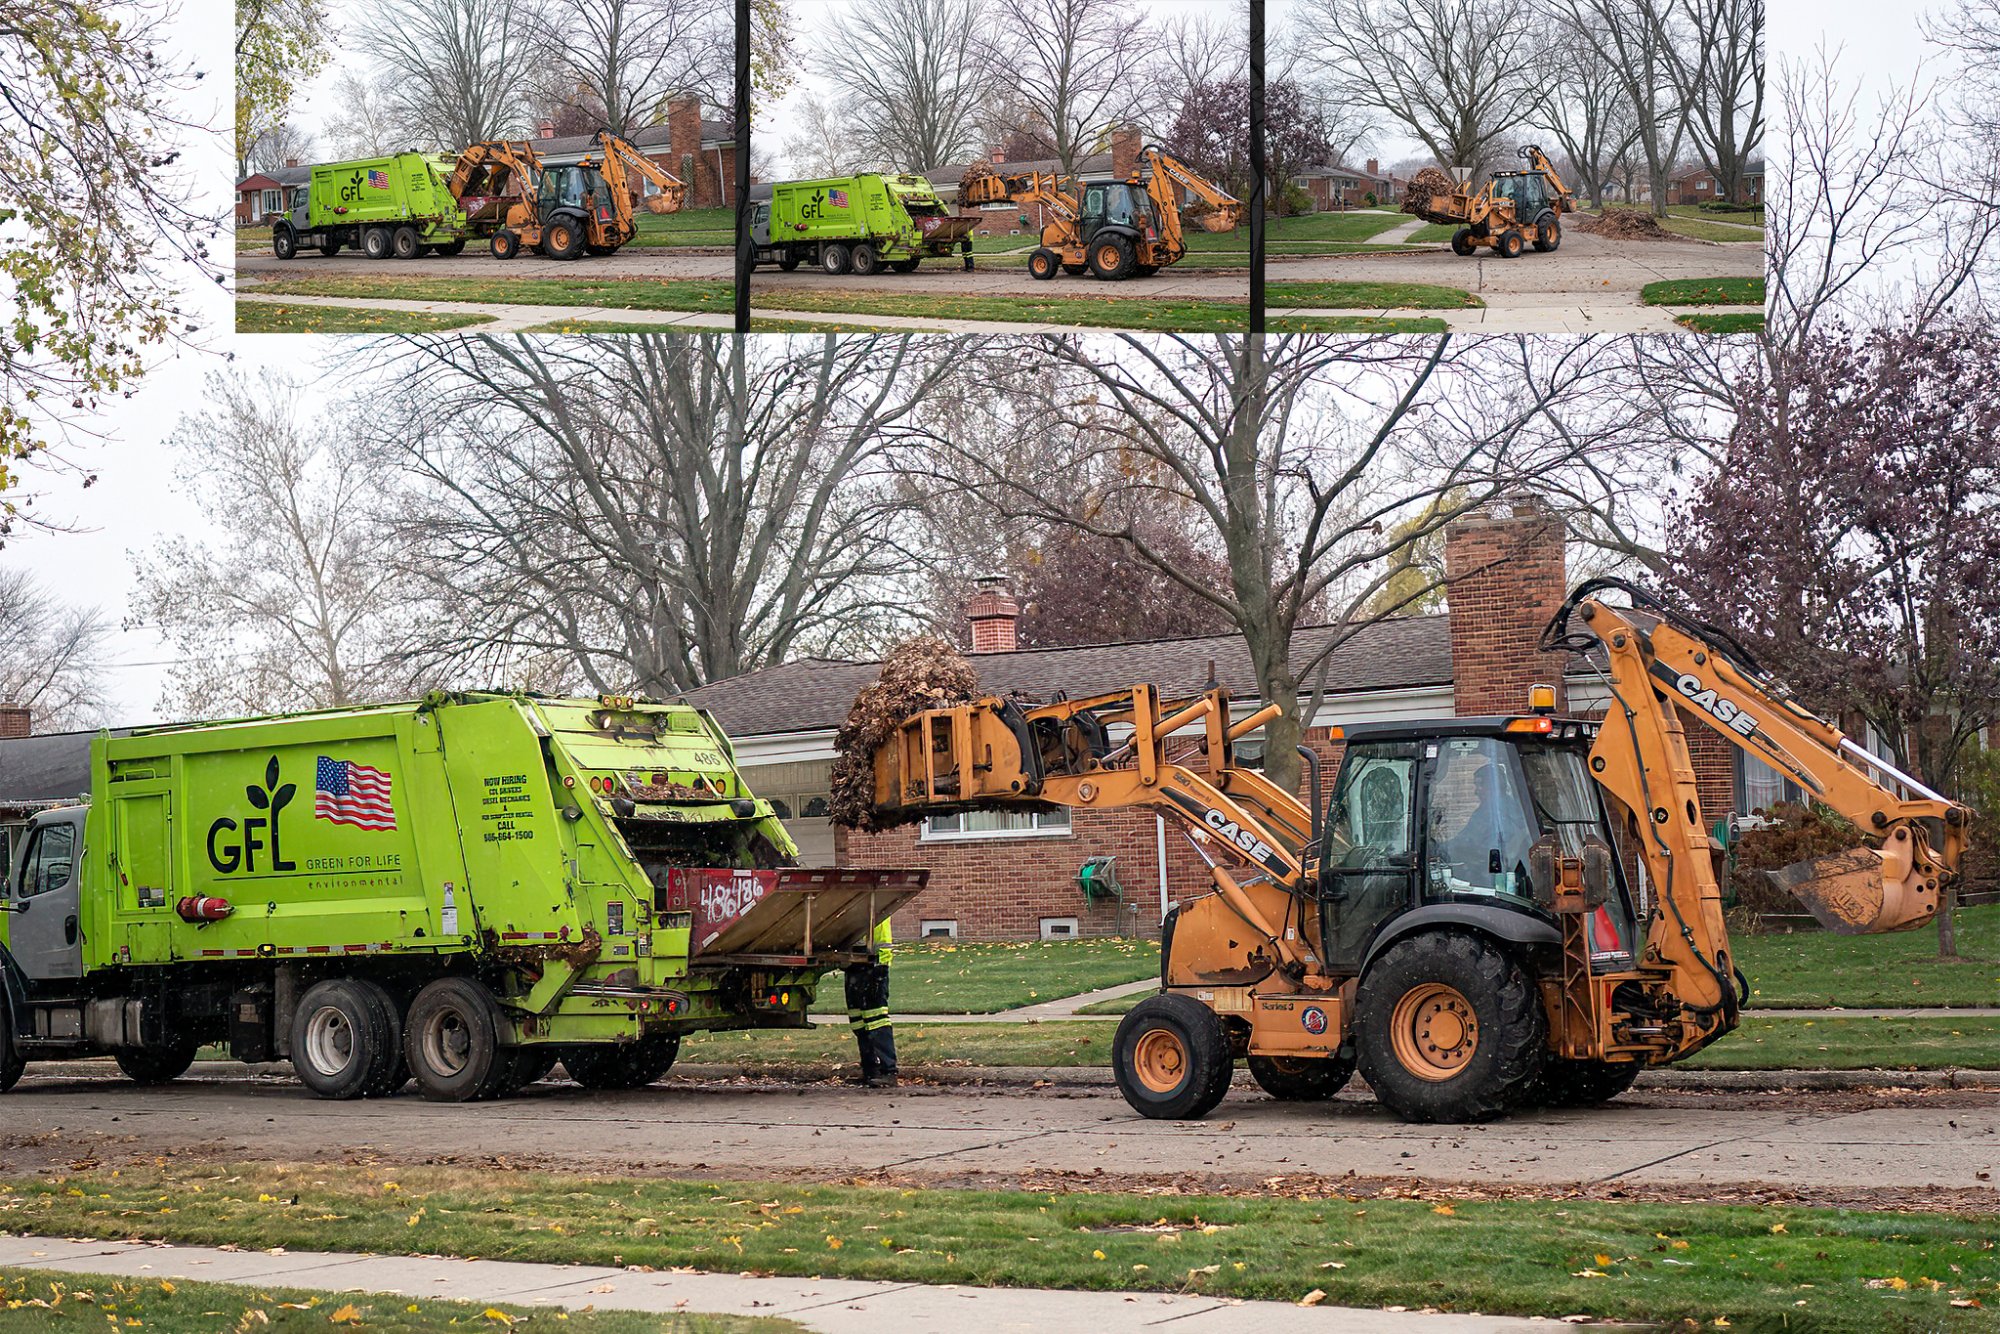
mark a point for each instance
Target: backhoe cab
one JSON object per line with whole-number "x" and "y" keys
{"x": 1513, "y": 210}
{"x": 1459, "y": 919}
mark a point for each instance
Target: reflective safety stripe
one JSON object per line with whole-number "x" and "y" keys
{"x": 874, "y": 1024}
{"x": 879, "y": 1012}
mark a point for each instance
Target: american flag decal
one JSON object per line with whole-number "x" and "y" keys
{"x": 348, "y": 793}
{"x": 378, "y": 179}
{"x": 837, "y": 198}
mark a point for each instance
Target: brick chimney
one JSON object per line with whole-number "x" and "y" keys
{"x": 993, "y": 612}
{"x": 1125, "y": 146}
{"x": 546, "y": 130}
{"x": 684, "y": 146}
{"x": 18, "y": 719}
{"x": 998, "y": 155}
{"x": 291, "y": 162}
{"x": 1505, "y": 578}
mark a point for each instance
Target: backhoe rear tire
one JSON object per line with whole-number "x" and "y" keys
{"x": 1112, "y": 258}
{"x": 1511, "y": 244}
{"x": 344, "y": 1039}
{"x": 1302, "y": 1078}
{"x": 329, "y": 248}
{"x": 452, "y": 1042}
{"x": 152, "y": 1066}
{"x": 1548, "y": 235}
{"x": 608, "y": 1066}
{"x": 1567, "y": 1083}
{"x": 1171, "y": 1058}
{"x": 1043, "y": 263}
{"x": 1449, "y": 1028}
{"x": 787, "y": 262}
{"x": 563, "y": 239}
{"x": 907, "y": 265}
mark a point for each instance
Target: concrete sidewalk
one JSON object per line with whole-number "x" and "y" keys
{"x": 836, "y": 1306}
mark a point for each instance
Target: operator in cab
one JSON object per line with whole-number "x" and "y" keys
{"x": 868, "y": 1014}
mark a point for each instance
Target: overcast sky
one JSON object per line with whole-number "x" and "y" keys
{"x": 774, "y": 122}
{"x": 136, "y": 498}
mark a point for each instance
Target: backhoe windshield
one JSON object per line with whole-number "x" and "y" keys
{"x": 1490, "y": 800}
{"x": 1118, "y": 204}
{"x": 1528, "y": 191}
{"x": 569, "y": 185}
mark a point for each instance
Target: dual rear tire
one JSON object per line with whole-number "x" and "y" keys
{"x": 347, "y": 1040}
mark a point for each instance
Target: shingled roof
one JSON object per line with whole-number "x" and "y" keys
{"x": 814, "y": 694}
{"x": 54, "y": 766}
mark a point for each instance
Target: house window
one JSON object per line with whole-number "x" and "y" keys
{"x": 1059, "y": 928}
{"x": 1759, "y": 787}
{"x": 272, "y": 202}
{"x": 947, "y": 930}
{"x": 998, "y": 824}
{"x": 1701, "y": 187}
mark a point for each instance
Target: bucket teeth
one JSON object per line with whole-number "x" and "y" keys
{"x": 1848, "y": 893}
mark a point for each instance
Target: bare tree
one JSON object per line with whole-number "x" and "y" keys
{"x": 1718, "y": 74}
{"x": 1189, "y": 51}
{"x": 1284, "y": 448}
{"x": 1452, "y": 73}
{"x": 630, "y": 57}
{"x": 283, "y": 145}
{"x": 51, "y": 654}
{"x": 1636, "y": 40}
{"x": 293, "y": 599}
{"x": 1076, "y": 64}
{"x": 661, "y": 512}
{"x": 1580, "y": 101}
{"x": 912, "y": 77}
{"x": 365, "y": 124}
{"x": 456, "y": 68}
{"x": 820, "y": 147}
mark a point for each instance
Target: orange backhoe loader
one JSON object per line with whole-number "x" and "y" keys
{"x": 515, "y": 200}
{"x": 1113, "y": 229}
{"x": 1457, "y": 921}
{"x": 1513, "y": 210}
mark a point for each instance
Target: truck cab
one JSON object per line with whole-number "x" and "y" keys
{"x": 41, "y": 897}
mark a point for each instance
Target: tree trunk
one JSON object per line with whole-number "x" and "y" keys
{"x": 1947, "y": 924}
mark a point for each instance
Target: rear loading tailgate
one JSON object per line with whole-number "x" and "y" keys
{"x": 794, "y": 917}
{"x": 942, "y": 231}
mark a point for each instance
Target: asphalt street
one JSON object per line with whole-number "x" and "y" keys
{"x": 1949, "y": 1141}
{"x": 630, "y": 262}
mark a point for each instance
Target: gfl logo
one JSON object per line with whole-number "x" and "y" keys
{"x": 233, "y": 847}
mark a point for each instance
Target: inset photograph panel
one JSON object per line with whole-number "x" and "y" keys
{"x": 1000, "y": 164}
{"x": 1563, "y": 166}
{"x": 566, "y": 165}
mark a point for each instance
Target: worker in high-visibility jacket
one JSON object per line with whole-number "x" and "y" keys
{"x": 868, "y": 1014}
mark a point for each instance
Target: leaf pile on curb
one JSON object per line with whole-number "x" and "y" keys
{"x": 918, "y": 674}
{"x": 1624, "y": 224}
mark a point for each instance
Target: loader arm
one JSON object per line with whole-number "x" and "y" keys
{"x": 985, "y": 186}
{"x": 480, "y": 179}
{"x": 621, "y": 157}
{"x": 1168, "y": 171}
{"x": 996, "y": 754}
{"x": 1539, "y": 161}
{"x": 1661, "y": 666}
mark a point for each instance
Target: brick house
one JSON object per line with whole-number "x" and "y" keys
{"x": 1336, "y": 186}
{"x": 1698, "y": 185}
{"x": 699, "y": 151}
{"x": 1007, "y": 876}
{"x": 264, "y": 193}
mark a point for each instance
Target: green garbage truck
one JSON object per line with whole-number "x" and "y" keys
{"x": 385, "y": 206}
{"x": 463, "y": 890}
{"x": 856, "y": 224}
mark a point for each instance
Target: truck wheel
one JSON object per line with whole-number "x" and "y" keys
{"x": 1301, "y": 1078}
{"x": 1043, "y": 264}
{"x": 284, "y": 241}
{"x": 450, "y": 248}
{"x": 834, "y": 258}
{"x": 406, "y": 243}
{"x": 907, "y": 265}
{"x": 1548, "y": 235}
{"x": 864, "y": 261}
{"x": 343, "y": 1044}
{"x": 562, "y": 239}
{"x": 504, "y": 245}
{"x": 631, "y": 1065}
{"x": 1172, "y": 1058}
{"x": 12, "y": 1062}
{"x": 1510, "y": 244}
{"x": 158, "y": 1065}
{"x": 1449, "y": 1028}
{"x": 1461, "y": 242}
{"x": 1112, "y": 258}
{"x": 788, "y": 261}
{"x": 329, "y": 248}
{"x": 1567, "y": 1083}
{"x": 394, "y": 1072}
{"x": 452, "y": 1041}
{"x": 375, "y": 243}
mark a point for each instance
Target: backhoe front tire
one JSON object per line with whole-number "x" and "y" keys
{"x": 1511, "y": 244}
{"x": 1112, "y": 258}
{"x": 1043, "y": 264}
{"x": 452, "y": 1042}
{"x": 344, "y": 1039}
{"x": 1449, "y": 1028}
{"x": 1462, "y": 243}
{"x": 504, "y": 245}
{"x": 1302, "y": 1078}
{"x": 1171, "y": 1058}
{"x": 153, "y": 1066}
{"x": 608, "y": 1066}
{"x": 1567, "y": 1083}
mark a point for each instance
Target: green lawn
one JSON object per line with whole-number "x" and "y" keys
{"x": 1353, "y": 324}
{"x": 965, "y": 977}
{"x": 689, "y": 227}
{"x": 276, "y": 317}
{"x": 1749, "y": 321}
{"x": 63, "y": 1300}
{"x": 1698, "y": 225}
{"x": 1720, "y": 1266}
{"x": 1352, "y": 226}
{"x": 618, "y": 293}
{"x": 1367, "y": 296}
{"x": 1810, "y": 969}
{"x": 1434, "y": 232}
{"x": 1074, "y": 302}
{"x": 1704, "y": 292}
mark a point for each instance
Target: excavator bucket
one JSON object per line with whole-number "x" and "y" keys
{"x": 659, "y": 204}
{"x": 1219, "y": 220}
{"x": 1850, "y": 894}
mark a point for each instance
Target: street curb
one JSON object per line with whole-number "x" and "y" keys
{"x": 1027, "y": 1076}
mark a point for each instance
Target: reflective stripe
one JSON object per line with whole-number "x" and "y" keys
{"x": 879, "y": 1012}
{"x": 875, "y": 1024}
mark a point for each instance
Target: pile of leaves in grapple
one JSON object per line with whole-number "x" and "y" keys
{"x": 1423, "y": 187}
{"x": 978, "y": 171}
{"x": 921, "y": 673}
{"x": 1798, "y": 833}
{"x": 1623, "y": 224}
